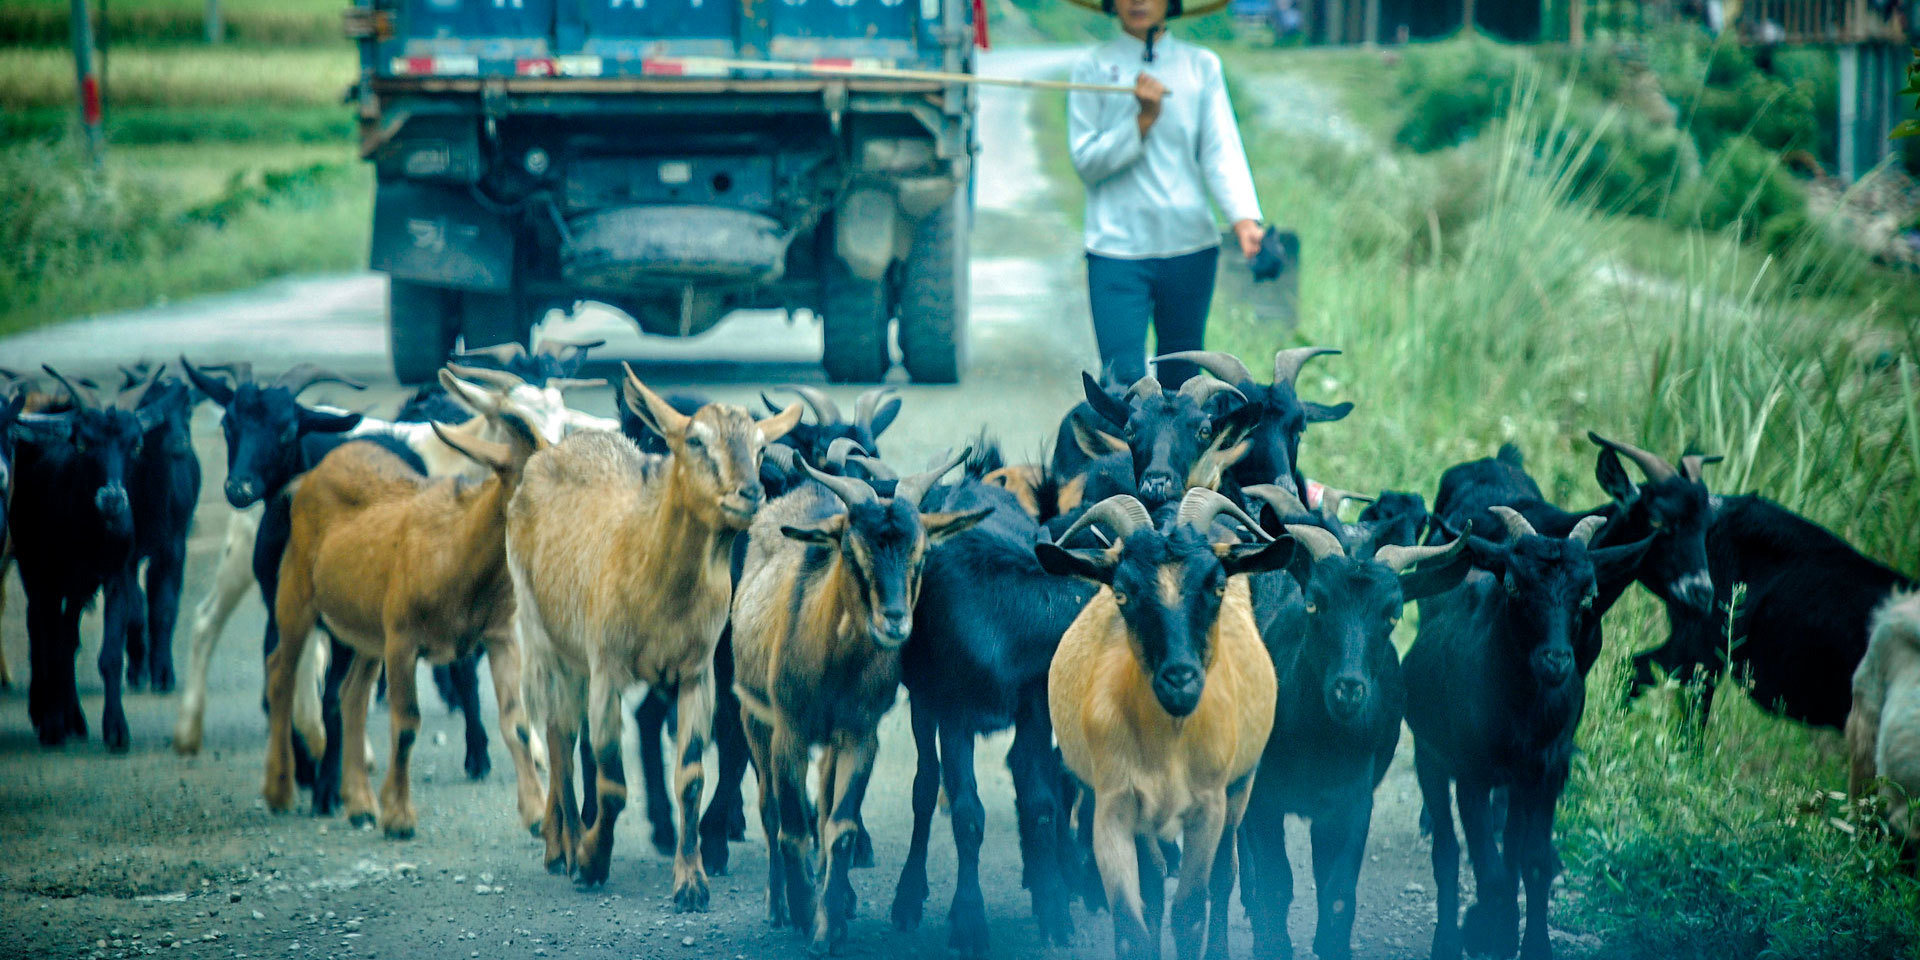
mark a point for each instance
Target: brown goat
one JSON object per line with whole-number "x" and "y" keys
{"x": 1162, "y": 699}
{"x": 1883, "y": 731}
{"x": 620, "y": 570}
{"x": 825, "y": 602}
{"x": 399, "y": 567}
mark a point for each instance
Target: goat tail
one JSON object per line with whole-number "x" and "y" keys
{"x": 1510, "y": 455}
{"x": 752, "y": 702}
{"x": 986, "y": 456}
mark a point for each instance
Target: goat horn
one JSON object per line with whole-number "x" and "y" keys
{"x": 300, "y": 376}
{"x": 1202, "y": 389}
{"x": 554, "y": 346}
{"x": 1146, "y": 386}
{"x": 1318, "y": 540}
{"x": 1121, "y": 513}
{"x": 1517, "y": 525}
{"x": 500, "y": 352}
{"x": 1201, "y": 505}
{"x": 1693, "y": 464}
{"x": 130, "y": 396}
{"x": 241, "y": 371}
{"x": 82, "y": 397}
{"x": 572, "y": 383}
{"x": 915, "y": 487}
{"x": 1226, "y": 366}
{"x": 1287, "y": 363}
{"x": 1397, "y": 558}
{"x": 493, "y": 378}
{"x": 874, "y": 468}
{"x": 1654, "y": 467}
{"x": 849, "y": 490}
{"x": 869, "y": 404}
{"x": 1331, "y": 498}
{"x": 1282, "y": 502}
{"x": 824, "y": 409}
{"x": 781, "y": 455}
{"x": 839, "y": 450}
{"x": 1586, "y": 528}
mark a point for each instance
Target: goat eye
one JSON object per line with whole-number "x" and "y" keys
{"x": 1119, "y": 599}
{"x": 1220, "y": 589}
{"x": 1206, "y": 433}
{"x": 694, "y": 442}
{"x": 1313, "y": 608}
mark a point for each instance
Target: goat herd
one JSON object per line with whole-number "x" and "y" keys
{"x": 1187, "y": 640}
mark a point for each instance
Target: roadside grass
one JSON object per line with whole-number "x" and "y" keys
{"x": 179, "y": 77}
{"x": 276, "y": 22}
{"x": 1507, "y": 324}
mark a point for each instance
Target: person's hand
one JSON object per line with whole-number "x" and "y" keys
{"x": 1249, "y": 233}
{"x": 1148, "y": 91}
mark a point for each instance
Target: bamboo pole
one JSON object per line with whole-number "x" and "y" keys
{"x": 888, "y": 73}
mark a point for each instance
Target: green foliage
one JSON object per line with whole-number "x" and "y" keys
{"x": 276, "y": 22}
{"x": 1743, "y": 186}
{"x": 1450, "y": 92}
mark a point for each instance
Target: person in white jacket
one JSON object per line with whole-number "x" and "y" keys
{"x": 1149, "y": 161}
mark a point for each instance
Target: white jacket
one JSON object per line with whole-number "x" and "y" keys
{"x": 1143, "y": 194}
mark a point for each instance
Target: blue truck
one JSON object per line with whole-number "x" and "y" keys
{"x": 532, "y": 154}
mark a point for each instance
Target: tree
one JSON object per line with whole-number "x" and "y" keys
{"x": 1910, "y": 127}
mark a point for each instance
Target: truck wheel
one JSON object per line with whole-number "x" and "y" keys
{"x": 934, "y": 295}
{"x": 420, "y": 329}
{"x": 854, "y": 326}
{"x": 487, "y": 319}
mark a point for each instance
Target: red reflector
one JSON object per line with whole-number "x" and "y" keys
{"x": 535, "y": 68}
{"x": 419, "y": 64}
{"x": 90, "y": 100}
{"x": 663, "y": 68}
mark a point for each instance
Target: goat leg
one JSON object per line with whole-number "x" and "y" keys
{"x": 1042, "y": 812}
{"x": 759, "y": 739}
{"x": 853, "y": 769}
{"x": 726, "y": 816}
{"x": 609, "y": 784}
{"x": 294, "y": 610}
{"x": 122, "y": 593}
{"x": 166, "y": 573}
{"x": 1193, "y": 895}
{"x": 1339, "y": 847}
{"x": 397, "y": 816}
{"x": 910, "y": 893}
{"x": 967, "y": 918}
{"x": 561, "y": 826}
{"x": 1492, "y": 923}
{"x": 232, "y": 578}
{"x": 1436, "y": 792}
{"x": 694, "y": 721}
{"x": 503, "y": 659}
{"x": 6, "y": 563}
{"x": 132, "y": 619}
{"x": 326, "y": 770}
{"x": 1226, "y": 852}
{"x": 788, "y": 757}
{"x": 650, "y": 720}
{"x": 1119, "y": 855}
{"x": 464, "y": 675}
{"x": 1266, "y": 883}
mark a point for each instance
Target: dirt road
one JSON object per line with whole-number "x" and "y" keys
{"x": 150, "y": 853}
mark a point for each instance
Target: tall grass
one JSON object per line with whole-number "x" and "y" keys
{"x": 184, "y": 77}
{"x": 279, "y": 22}
{"x": 1482, "y": 297}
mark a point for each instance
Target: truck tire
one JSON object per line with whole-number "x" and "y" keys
{"x": 420, "y": 329}
{"x": 487, "y": 319}
{"x": 934, "y": 295}
{"x": 854, "y": 325}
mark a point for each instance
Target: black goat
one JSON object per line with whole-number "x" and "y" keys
{"x": 1493, "y": 699}
{"x": 164, "y": 487}
{"x": 986, "y": 626}
{"x": 10, "y": 410}
{"x": 1337, "y": 719}
{"x": 1167, "y": 436}
{"x": 1673, "y": 507}
{"x": 1801, "y": 628}
{"x": 73, "y": 531}
{"x": 554, "y": 359}
{"x": 1283, "y": 416}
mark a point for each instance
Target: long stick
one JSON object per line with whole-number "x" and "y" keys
{"x": 704, "y": 64}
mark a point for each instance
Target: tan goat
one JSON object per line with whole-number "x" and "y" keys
{"x": 400, "y": 567}
{"x": 1883, "y": 731}
{"x": 825, "y": 602}
{"x": 1162, "y": 700}
{"x": 620, "y": 570}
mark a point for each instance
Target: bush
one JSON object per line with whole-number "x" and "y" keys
{"x": 1745, "y": 186}
{"x": 1450, "y": 92}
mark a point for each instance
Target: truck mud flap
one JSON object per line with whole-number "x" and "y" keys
{"x": 437, "y": 235}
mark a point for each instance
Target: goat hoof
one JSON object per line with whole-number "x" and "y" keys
{"x": 737, "y": 824}
{"x": 115, "y": 736}
{"x": 1487, "y": 932}
{"x": 399, "y": 831}
{"x": 478, "y": 766}
{"x": 1056, "y": 921}
{"x": 362, "y": 820}
{"x": 714, "y": 856}
{"x": 1325, "y": 947}
{"x": 862, "y": 851}
{"x": 691, "y": 896}
{"x": 908, "y": 907}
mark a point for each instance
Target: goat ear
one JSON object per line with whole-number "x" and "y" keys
{"x": 782, "y": 423}
{"x": 883, "y": 417}
{"x": 1113, "y": 411}
{"x": 1093, "y": 441}
{"x": 826, "y": 533}
{"x": 1430, "y": 579}
{"x": 1089, "y": 564}
{"x": 1614, "y": 564}
{"x": 478, "y": 399}
{"x": 493, "y": 456}
{"x": 317, "y": 421}
{"x": 1322, "y": 413}
{"x": 1487, "y": 555}
{"x": 1612, "y": 476}
{"x": 217, "y": 389}
{"x": 945, "y": 526}
{"x": 657, "y": 414}
{"x": 1235, "y": 426}
{"x": 1259, "y": 557}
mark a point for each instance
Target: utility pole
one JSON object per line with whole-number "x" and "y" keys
{"x": 216, "y": 28}
{"x": 87, "y": 80}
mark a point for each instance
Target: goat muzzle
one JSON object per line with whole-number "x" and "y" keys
{"x": 1695, "y": 590}
{"x": 1346, "y": 697}
{"x": 1178, "y": 687}
{"x": 242, "y": 493}
{"x": 1552, "y": 666}
{"x": 890, "y": 631}
{"x": 115, "y": 510}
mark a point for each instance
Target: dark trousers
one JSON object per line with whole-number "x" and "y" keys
{"x": 1173, "y": 292}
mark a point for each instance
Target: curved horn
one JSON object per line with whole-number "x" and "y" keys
{"x": 130, "y": 396}
{"x": 1201, "y": 505}
{"x": 1586, "y": 528}
{"x": 1318, "y": 540}
{"x": 874, "y": 468}
{"x": 1397, "y": 558}
{"x": 1121, "y": 513}
{"x": 869, "y": 404}
{"x": 1331, "y": 499}
{"x": 849, "y": 490}
{"x": 241, "y": 371}
{"x": 1202, "y": 389}
{"x": 781, "y": 455}
{"x": 1144, "y": 387}
{"x": 1282, "y": 502}
{"x": 492, "y": 378}
{"x": 555, "y": 346}
{"x": 300, "y": 376}
{"x": 1287, "y": 363}
{"x": 1693, "y": 464}
{"x": 1654, "y": 467}
{"x": 502, "y": 353}
{"x": 82, "y": 397}
{"x": 913, "y": 488}
{"x": 1517, "y": 525}
{"x": 823, "y": 407}
{"x": 573, "y": 383}
{"x": 839, "y": 450}
{"x": 1226, "y": 366}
